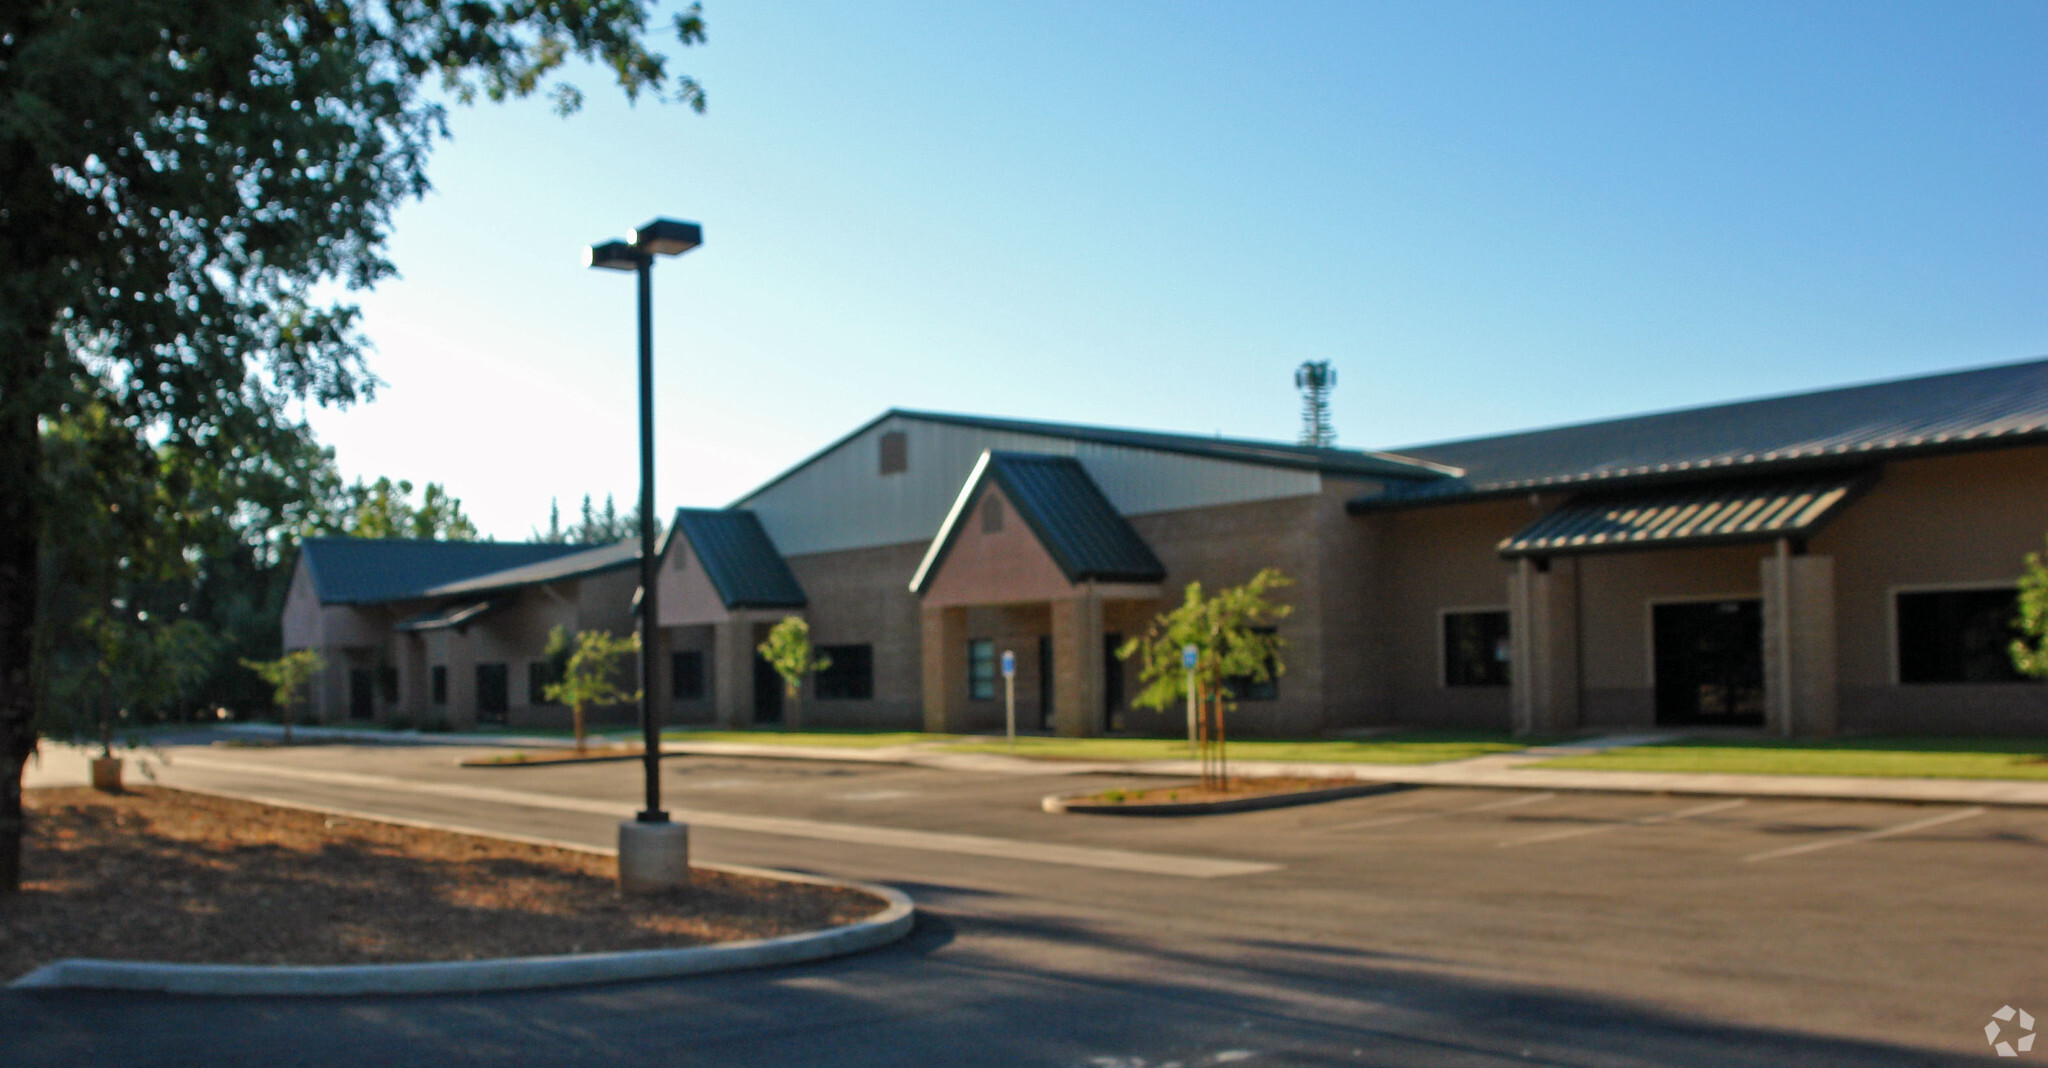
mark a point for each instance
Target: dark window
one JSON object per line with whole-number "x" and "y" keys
{"x": 852, "y": 674}
{"x": 981, "y": 670}
{"x": 1476, "y": 649}
{"x": 1957, "y": 636}
{"x": 440, "y": 684}
{"x": 1112, "y": 683}
{"x": 1044, "y": 682}
{"x": 541, "y": 674}
{"x": 1249, "y": 688}
{"x": 361, "y": 699}
{"x": 991, "y": 514}
{"x": 686, "y": 670}
{"x": 387, "y": 681}
{"x": 493, "y": 696}
{"x": 895, "y": 453}
{"x": 768, "y": 688}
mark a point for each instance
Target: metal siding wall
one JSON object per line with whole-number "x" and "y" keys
{"x": 842, "y": 501}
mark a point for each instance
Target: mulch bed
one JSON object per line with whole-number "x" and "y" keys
{"x": 1195, "y": 793}
{"x": 554, "y": 756}
{"x": 156, "y": 874}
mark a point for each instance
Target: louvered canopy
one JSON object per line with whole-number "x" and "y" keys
{"x": 1695, "y": 514}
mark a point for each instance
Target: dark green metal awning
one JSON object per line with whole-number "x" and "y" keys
{"x": 446, "y": 616}
{"x": 1689, "y": 515}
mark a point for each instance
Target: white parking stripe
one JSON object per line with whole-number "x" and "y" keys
{"x": 862, "y": 834}
{"x": 1388, "y": 821}
{"x": 1646, "y": 821}
{"x": 1866, "y": 836}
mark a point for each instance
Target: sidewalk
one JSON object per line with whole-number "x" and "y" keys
{"x": 1510, "y": 771}
{"x": 1506, "y": 771}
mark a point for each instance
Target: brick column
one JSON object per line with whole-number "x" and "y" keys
{"x": 1543, "y": 632}
{"x": 1799, "y": 682}
{"x": 945, "y": 669}
{"x": 732, "y": 671}
{"x": 1077, "y": 665}
{"x": 406, "y": 662}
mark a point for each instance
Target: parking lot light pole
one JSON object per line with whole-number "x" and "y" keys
{"x": 652, "y": 852}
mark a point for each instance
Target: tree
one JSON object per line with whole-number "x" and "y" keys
{"x": 186, "y": 185}
{"x": 596, "y": 527}
{"x": 587, "y": 673}
{"x": 1234, "y": 647}
{"x": 288, "y": 676}
{"x": 384, "y": 509}
{"x": 788, "y": 651}
{"x": 2030, "y": 650}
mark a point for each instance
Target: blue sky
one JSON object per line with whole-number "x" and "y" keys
{"x": 1488, "y": 216}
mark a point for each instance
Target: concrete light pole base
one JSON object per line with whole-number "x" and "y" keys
{"x": 653, "y": 856}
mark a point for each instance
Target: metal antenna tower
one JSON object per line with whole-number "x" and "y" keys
{"x": 1315, "y": 379}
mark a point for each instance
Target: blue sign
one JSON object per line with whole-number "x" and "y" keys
{"x": 1188, "y": 655}
{"x": 1009, "y": 664}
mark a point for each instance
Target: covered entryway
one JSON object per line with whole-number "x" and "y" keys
{"x": 1709, "y": 663}
{"x": 1759, "y": 655}
{"x": 719, "y": 571}
{"x": 1032, "y": 537}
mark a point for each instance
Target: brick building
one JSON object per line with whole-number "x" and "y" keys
{"x": 1842, "y": 560}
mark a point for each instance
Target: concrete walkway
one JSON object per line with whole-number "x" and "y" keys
{"x": 1508, "y": 771}
{"x": 1511, "y": 771}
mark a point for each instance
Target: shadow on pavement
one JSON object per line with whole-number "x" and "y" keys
{"x": 962, "y": 990}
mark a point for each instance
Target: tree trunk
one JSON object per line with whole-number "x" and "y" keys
{"x": 576, "y": 713}
{"x": 795, "y": 719}
{"x": 21, "y": 463}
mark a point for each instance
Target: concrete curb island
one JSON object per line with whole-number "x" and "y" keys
{"x": 1078, "y": 804}
{"x": 481, "y": 976}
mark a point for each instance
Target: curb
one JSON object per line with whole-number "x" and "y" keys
{"x": 891, "y": 924}
{"x": 1070, "y": 803}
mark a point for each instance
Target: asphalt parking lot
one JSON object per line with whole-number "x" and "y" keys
{"x": 1428, "y": 925}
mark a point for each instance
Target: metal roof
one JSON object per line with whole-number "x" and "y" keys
{"x": 1709, "y": 513}
{"x": 740, "y": 558}
{"x": 578, "y": 563}
{"x": 372, "y": 570}
{"x": 1065, "y": 509}
{"x": 1355, "y": 463}
{"x": 1981, "y": 408}
{"x": 442, "y": 618}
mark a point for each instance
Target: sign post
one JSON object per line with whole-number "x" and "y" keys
{"x": 1010, "y": 696}
{"x": 1188, "y": 657}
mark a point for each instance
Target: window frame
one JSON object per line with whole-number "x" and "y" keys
{"x": 675, "y": 677}
{"x": 892, "y": 453}
{"x": 1443, "y": 652}
{"x": 1891, "y": 624}
{"x": 994, "y": 669}
{"x": 538, "y": 678}
{"x": 1268, "y": 690}
{"x": 839, "y": 654}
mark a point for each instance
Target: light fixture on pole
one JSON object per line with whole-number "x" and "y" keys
{"x": 652, "y": 851}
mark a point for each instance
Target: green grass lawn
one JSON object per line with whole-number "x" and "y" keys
{"x": 1408, "y": 747}
{"x": 845, "y": 739}
{"x": 1914, "y": 758}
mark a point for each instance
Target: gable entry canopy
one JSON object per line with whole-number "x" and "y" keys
{"x": 1690, "y": 515}
{"x": 1066, "y": 513}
